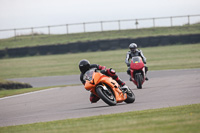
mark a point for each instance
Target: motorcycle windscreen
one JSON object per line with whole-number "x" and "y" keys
{"x": 136, "y": 63}
{"x": 88, "y": 77}
{"x": 88, "y": 74}
{"x": 92, "y": 78}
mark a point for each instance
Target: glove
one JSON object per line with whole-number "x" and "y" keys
{"x": 103, "y": 71}
{"x": 128, "y": 64}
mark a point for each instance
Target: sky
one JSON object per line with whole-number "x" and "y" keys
{"x": 33, "y": 13}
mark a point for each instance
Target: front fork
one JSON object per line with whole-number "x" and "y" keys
{"x": 133, "y": 76}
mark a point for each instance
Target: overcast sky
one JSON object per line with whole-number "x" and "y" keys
{"x": 31, "y": 13}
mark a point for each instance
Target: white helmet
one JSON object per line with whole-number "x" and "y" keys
{"x": 133, "y": 47}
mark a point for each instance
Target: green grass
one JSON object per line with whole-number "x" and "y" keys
{"x": 158, "y": 58}
{"x": 22, "y": 41}
{"x": 181, "y": 119}
{"x": 5, "y": 93}
{"x": 174, "y": 119}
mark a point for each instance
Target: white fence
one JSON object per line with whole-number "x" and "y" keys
{"x": 102, "y": 26}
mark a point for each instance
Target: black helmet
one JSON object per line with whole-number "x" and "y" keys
{"x": 133, "y": 47}
{"x": 84, "y": 65}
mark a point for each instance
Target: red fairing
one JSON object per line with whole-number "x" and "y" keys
{"x": 137, "y": 66}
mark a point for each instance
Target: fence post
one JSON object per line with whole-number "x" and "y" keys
{"x": 84, "y": 27}
{"x": 119, "y": 24}
{"x": 171, "y": 21}
{"x": 15, "y": 34}
{"x": 154, "y": 22}
{"x": 136, "y": 23}
{"x": 101, "y": 26}
{"x": 49, "y": 29}
{"x": 188, "y": 19}
{"x": 32, "y": 32}
{"x": 67, "y": 28}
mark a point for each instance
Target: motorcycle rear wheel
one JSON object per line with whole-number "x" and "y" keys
{"x": 106, "y": 95}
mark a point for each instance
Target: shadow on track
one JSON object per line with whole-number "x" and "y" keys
{"x": 103, "y": 106}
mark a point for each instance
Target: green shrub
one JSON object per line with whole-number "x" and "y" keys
{"x": 8, "y": 85}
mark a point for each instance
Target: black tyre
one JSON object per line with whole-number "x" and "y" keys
{"x": 130, "y": 96}
{"x": 106, "y": 95}
{"x": 139, "y": 81}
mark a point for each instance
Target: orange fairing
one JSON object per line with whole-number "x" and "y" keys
{"x": 90, "y": 85}
{"x": 98, "y": 78}
{"x": 120, "y": 97}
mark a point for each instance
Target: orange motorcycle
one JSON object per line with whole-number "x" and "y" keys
{"x": 106, "y": 88}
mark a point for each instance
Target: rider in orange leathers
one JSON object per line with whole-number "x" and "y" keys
{"x": 85, "y": 65}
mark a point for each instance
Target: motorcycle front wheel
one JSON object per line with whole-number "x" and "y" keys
{"x": 106, "y": 95}
{"x": 139, "y": 81}
{"x": 130, "y": 96}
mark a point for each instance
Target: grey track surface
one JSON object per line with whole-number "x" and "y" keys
{"x": 164, "y": 89}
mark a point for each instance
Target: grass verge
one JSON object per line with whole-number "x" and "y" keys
{"x": 158, "y": 58}
{"x": 180, "y": 119}
{"x": 27, "y": 40}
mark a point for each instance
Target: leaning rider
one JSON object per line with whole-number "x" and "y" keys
{"x": 85, "y": 65}
{"x": 134, "y": 52}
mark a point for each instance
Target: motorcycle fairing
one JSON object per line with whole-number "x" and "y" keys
{"x": 137, "y": 66}
{"x": 98, "y": 78}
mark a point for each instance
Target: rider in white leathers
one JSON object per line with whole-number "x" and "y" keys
{"x": 134, "y": 52}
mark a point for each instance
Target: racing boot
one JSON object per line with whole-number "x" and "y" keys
{"x": 124, "y": 88}
{"x": 93, "y": 98}
{"x": 146, "y": 69}
{"x": 130, "y": 79}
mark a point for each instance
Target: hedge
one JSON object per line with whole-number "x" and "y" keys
{"x": 99, "y": 45}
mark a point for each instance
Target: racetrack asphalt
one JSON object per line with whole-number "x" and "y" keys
{"x": 165, "y": 88}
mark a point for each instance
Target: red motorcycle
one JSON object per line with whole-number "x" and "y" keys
{"x": 137, "y": 70}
